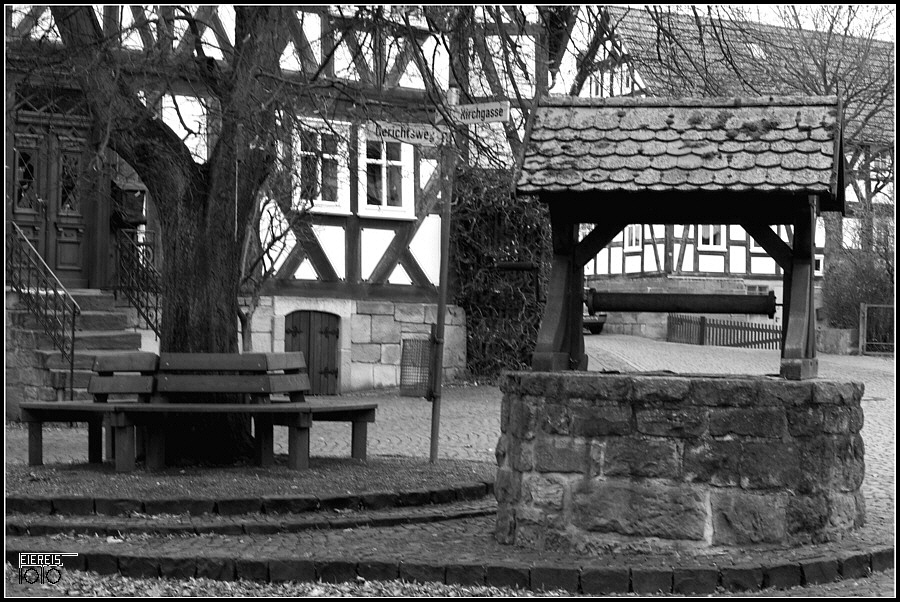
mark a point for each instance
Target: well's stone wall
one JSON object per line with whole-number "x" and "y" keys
{"x": 589, "y": 460}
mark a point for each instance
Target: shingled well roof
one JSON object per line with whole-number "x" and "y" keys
{"x": 768, "y": 144}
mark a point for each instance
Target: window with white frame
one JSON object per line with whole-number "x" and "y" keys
{"x": 711, "y": 237}
{"x": 386, "y": 178}
{"x": 320, "y": 170}
{"x": 634, "y": 237}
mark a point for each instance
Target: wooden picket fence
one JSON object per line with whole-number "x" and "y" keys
{"x": 700, "y": 330}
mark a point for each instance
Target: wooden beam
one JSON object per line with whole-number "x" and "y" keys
{"x": 308, "y": 61}
{"x": 359, "y": 59}
{"x": 401, "y": 62}
{"x": 142, "y": 24}
{"x": 593, "y": 243}
{"x": 29, "y": 21}
{"x": 221, "y": 34}
{"x": 771, "y": 242}
{"x": 490, "y": 72}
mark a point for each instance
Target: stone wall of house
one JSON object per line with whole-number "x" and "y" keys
{"x": 371, "y": 335}
{"x": 588, "y": 461}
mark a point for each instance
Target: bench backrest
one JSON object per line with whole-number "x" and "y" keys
{"x": 250, "y": 363}
{"x": 254, "y": 373}
{"x": 115, "y": 374}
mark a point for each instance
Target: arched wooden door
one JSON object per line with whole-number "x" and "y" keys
{"x": 317, "y": 335}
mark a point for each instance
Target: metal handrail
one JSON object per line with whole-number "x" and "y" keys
{"x": 44, "y": 296}
{"x": 136, "y": 277}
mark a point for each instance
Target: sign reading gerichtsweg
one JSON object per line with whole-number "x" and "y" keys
{"x": 483, "y": 112}
{"x": 411, "y": 133}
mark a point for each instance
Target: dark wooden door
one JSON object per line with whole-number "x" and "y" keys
{"x": 317, "y": 335}
{"x": 46, "y": 200}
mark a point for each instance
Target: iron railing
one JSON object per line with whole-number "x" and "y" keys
{"x": 876, "y": 329}
{"x": 136, "y": 276}
{"x": 43, "y": 294}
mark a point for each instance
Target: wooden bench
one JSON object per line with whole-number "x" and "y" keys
{"x": 35, "y": 413}
{"x": 127, "y": 373}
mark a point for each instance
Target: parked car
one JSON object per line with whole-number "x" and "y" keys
{"x": 592, "y": 320}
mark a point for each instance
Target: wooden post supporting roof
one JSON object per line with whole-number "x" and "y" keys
{"x": 750, "y": 162}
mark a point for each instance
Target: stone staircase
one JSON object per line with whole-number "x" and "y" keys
{"x": 36, "y": 370}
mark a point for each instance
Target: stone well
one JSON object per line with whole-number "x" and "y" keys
{"x": 588, "y": 460}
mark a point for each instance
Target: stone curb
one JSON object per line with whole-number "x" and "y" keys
{"x": 586, "y": 579}
{"x": 272, "y": 504}
{"x": 19, "y": 526}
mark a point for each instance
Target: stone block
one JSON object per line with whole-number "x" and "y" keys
{"x": 251, "y": 569}
{"x": 422, "y": 572}
{"x": 73, "y": 505}
{"x": 385, "y": 329}
{"x": 769, "y": 423}
{"x": 505, "y": 526}
{"x": 882, "y": 559}
{"x": 805, "y": 421}
{"x": 695, "y": 580}
{"x": 746, "y": 518}
{"x": 837, "y": 393}
{"x": 360, "y": 329}
{"x": 714, "y": 462}
{"x": 508, "y": 486}
{"x": 651, "y": 581}
{"x": 523, "y": 416}
{"x": 782, "y": 576}
{"x": 102, "y": 563}
{"x": 506, "y": 575}
{"x": 741, "y": 578}
{"x": 336, "y": 571}
{"x": 640, "y": 458}
{"x": 549, "y": 578}
{"x": 194, "y": 507}
{"x": 375, "y": 308}
{"x": 605, "y": 580}
{"x": 117, "y": 507}
{"x": 596, "y": 387}
{"x": 362, "y": 377}
{"x": 546, "y": 492}
{"x": 465, "y": 574}
{"x": 784, "y": 393}
{"x": 390, "y": 354}
{"x": 640, "y": 509}
{"x": 239, "y": 506}
{"x": 409, "y": 312}
{"x": 556, "y": 419}
{"x": 819, "y": 570}
{"x": 562, "y": 454}
{"x": 419, "y": 329}
{"x": 289, "y": 504}
{"x": 220, "y": 569}
{"x": 601, "y": 420}
{"x": 653, "y": 389}
{"x": 385, "y": 376}
{"x": 841, "y": 420}
{"x": 28, "y": 505}
{"x": 138, "y": 566}
{"x": 292, "y": 570}
{"x": 365, "y": 353}
{"x": 764, "y": 465}
{"x": 378, "y": 500}
{"x": 741, "y": 392}
{"x": 681, "y": 422}
{"x": 853, "y": 565}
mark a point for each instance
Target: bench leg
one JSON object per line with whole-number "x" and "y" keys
{"x": 110, "y": 442}
{"x": 124, "y": 448}
{"x": 298, "y": 447}
{"x": 358, "y": 440}
{"x": 35, "y": 444}
{"x": 264, "y": 441}
{"x": 140, "y": 443}
{"x": 95, "y": 441}
{"x": 155, "y": 439}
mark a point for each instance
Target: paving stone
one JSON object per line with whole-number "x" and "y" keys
{"x": 73, "y": 505}
{"x": 138, "y": 566}
{"x": 695, "y": 580}
{"x": 422, "y": 572}
{"x": 507, "y": 575}
{"x": 854, "y": 565}
{"x": 607, "y": 580}
{"x": 741, "y": 578}
{"x": 251, "y": 569}
{"x": 819, "y": 570}
{"x": 177, "y": 568}
{"x": 28, "y": 505}
{"x": 292, "y": 570}
{"x": 238, "y": 506}
{"x": 336, "y": 571}
{"x": 117, "y": 507}
{"x": 782, "y": 576}
{"x": 101, "y": 562}
{"x": 651, "y": 580}
{"x": 289, "y": 504}
{"x": 465, "y": 574}
{"x": 547, "y": 578}
{"x": 882, "y": 559}
{"x": 221, "y": 569}
{"x": 194, "y": 507}
{"x": 375, "y": 570}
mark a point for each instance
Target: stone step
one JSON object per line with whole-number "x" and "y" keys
{"x": 48, "y": 359}
{"x": 87, "y": 300}
{"x": 86, "y": 320}
{"x": 84, "y": 340}
{"x": 136, "y": 522}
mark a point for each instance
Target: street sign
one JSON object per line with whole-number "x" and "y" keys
{"x": 483, "y": 112}
{"x": 410, "y": 133}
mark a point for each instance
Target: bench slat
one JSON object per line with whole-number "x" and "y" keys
{"x": 292, "y": 361}
{"x": 137, "y": 361}
{"x": 244, "y": 362}
{"x": 219, "y": 383}
{"x": 121, "y": 383}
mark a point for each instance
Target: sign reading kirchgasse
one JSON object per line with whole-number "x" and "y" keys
{"x": 483, "y": 112}
{"x": 410, "y": 133}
